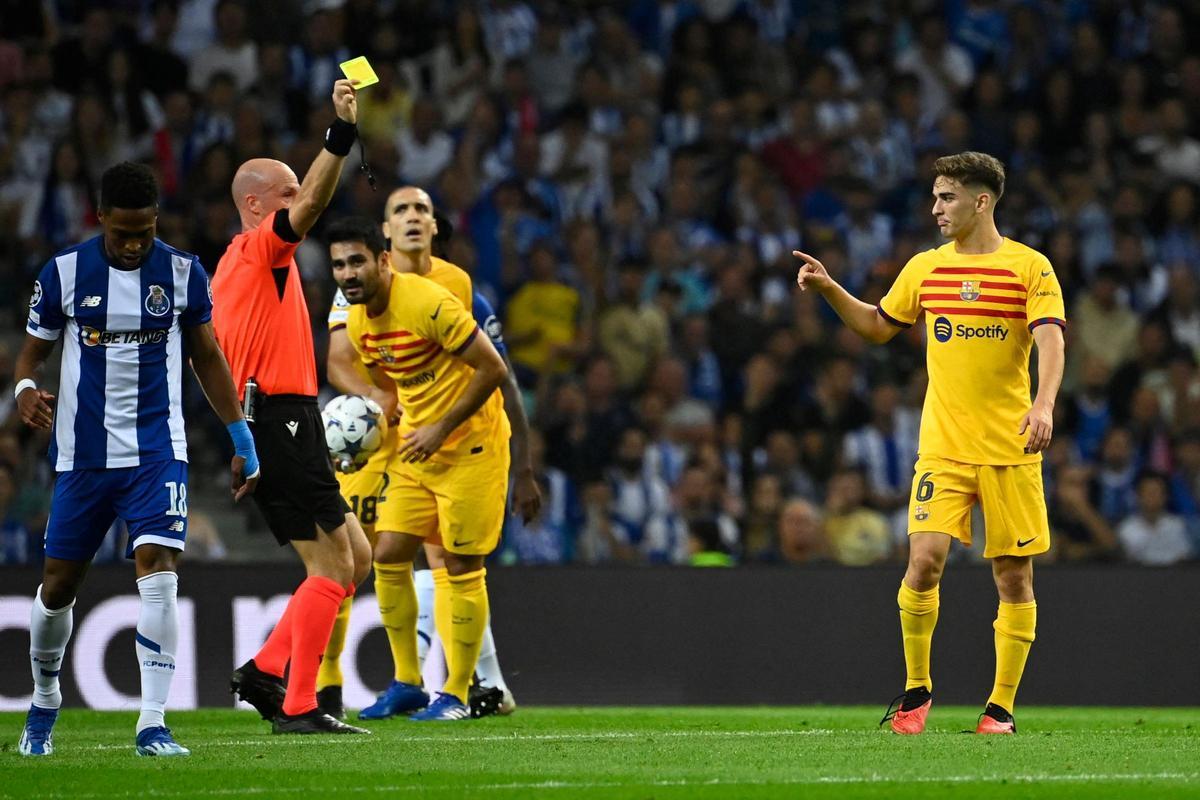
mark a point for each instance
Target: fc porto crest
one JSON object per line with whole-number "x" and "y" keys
{"x": 969, "y": 291}
{"x": 157, "y": 302}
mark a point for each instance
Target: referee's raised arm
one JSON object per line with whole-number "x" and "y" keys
{"x": 322, "y": 177}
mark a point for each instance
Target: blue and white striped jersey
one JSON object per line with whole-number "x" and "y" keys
{"x": 121, "y": 387}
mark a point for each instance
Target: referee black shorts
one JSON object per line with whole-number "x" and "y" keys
{"x": 297, "y": 491}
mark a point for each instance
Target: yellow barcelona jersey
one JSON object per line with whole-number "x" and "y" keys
{"x": 443, "y": 273}
{"x": 980, "y": 312}
{"x": 415, "y": 341}
{"x": 454, "y": 278}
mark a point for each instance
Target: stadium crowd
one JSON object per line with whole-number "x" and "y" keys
{"x": 626, "y": 183}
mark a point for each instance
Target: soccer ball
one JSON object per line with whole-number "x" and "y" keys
{"x": 354, "y": 428}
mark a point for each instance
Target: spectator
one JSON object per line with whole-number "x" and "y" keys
{"x": 1152, "y": 535}
{"x": 628, "y": 514}
{"x": 702, "y": 525}
{"x": 1081, "y": 533}
{"x": 550, "y": 537}
{"x": 857, "y": 535}
{"x": 1103, "y": 326}
{"x": 424, "y": 149}
{"x": 542, "y": 325}
{"x": 885, "y": 450}
{"x": 801, "y": 533}
{"x": 61, "y": 210}
{"x": 233, "y": 51}
{"x": 1117, "y": 475}
{"x": 632, "y": 333}
{"x": 943, "y": 68}
{"x": 17, "y": 544}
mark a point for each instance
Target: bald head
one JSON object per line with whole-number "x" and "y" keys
{"x": 261, "y": 187}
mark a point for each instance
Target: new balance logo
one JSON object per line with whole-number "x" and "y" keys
{"x": 292, "y": 426}
{"x": 91, "y": 301}
{"x": 176, "y": 526}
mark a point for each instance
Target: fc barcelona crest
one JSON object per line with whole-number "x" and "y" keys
{"x": 156, "y": 301}
{"x": 969, "y": 291}
{"x": 385, "y": 354}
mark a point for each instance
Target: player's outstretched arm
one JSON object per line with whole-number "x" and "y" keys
{"x": 322, "y": 177}
{"x": 419, "y": 444}
{"x": 212, "y": 370}
{"x": 1052, "y": 356}
{"x": 35, "y": 405}
{"x": 527, "y": 496}
{"x": 862, "y": 318}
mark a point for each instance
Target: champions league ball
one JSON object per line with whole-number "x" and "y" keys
{"x": 354, "y": 428}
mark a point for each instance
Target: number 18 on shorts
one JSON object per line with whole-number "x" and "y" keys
{"x": 151, "y": 498}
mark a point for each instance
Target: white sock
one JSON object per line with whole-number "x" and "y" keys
{"x": 433, "y": 671}
{"x": 488, "y": 666}
{"x": 49, "y": 632}
{"x": 423, "y": 582}
{"x": 157, "y": 637}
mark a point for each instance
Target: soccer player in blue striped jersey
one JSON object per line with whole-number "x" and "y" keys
{"x": 128, "y": 307}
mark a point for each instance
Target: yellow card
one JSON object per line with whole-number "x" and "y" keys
{"x": 359, "y": 72}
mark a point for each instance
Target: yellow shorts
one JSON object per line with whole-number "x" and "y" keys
{"x": 463, "y": 503}
{"x": 1012, "y": 497}
{"x": 366, "y": 489}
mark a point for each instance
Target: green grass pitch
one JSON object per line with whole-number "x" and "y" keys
{"x": 635, "y": 753}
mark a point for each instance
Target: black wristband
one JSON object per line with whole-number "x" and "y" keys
{"x": 340, "y": 137}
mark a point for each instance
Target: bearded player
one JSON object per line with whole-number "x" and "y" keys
{"x": 411, "y": 226}
{"x": 986, "y": 300}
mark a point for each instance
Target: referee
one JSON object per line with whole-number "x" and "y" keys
{"x": 262, "y": 324}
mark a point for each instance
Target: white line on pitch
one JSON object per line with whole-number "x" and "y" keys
{"x": 533, "y": 737}
{"x": 634, "y": 784}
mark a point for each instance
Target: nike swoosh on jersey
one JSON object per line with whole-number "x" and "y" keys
{"x": 437, "y": 311}
{"x": 1023, "y": 542}
{"x": 1046, "y": 274}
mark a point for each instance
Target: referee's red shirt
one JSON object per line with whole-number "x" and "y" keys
{"x": 259, "y": 313}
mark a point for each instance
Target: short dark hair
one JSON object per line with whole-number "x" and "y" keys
{"x": 972, "y": 168}
{"x": 128, "y": 185}
{"x": 357, "y": 229}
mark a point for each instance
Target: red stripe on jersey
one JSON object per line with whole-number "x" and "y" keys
{"x": 400, "y": 346}
{"x": 378, "y": 337}
{"x": 983, "y": 298}
{"x": 399, "y": 363}
{"x": 1012, "y": 287}
{"x": 973, "y": 271}
{"x": 414, "y": 367}
{"x": 977, "y": 312}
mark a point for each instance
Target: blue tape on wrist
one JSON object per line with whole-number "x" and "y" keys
{"x": 243, "y": 445}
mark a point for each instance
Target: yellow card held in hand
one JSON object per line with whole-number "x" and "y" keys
{"x": 358, "y": 71}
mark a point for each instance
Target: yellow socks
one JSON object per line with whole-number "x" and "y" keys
{"x": 461, "y": 622}
{"x": 398, "y": 609}
{"x": 1015, "y": 624}
{"x": 330, "y": 671}
{"x": 918, "y": 617}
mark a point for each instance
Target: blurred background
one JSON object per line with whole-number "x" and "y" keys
{"x": 626, "y": 182}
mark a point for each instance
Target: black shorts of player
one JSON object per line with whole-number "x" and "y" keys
{"x": 297, "y": 491}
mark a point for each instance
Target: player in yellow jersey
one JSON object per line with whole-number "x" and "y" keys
{"x": 409, "y": 216}
{"x": 418, "y": 506}
{"x": 986, "y": 300}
